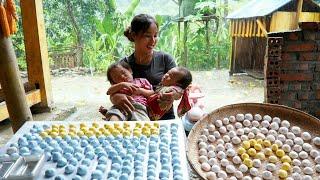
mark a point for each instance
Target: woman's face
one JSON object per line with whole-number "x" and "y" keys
{"x": 145, "y": 42}
{"x": 171, "y": 77}
{"x": 120, "y": 74}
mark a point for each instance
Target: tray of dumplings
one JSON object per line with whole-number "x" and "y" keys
{"x": 96, "y": 150}
{"x": 256, "y": 141}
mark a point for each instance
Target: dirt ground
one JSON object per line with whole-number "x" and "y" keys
{"x": 79, "y": 97}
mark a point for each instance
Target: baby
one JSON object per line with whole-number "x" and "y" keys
{"x": 148, "y": 104}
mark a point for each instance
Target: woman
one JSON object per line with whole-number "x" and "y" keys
{"x": 145, "y": 62}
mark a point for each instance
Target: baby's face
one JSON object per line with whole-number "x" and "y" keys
{"x": 171, "y": 77}
{"x": 121, "y": 74}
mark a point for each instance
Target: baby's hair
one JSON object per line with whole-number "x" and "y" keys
{"x": 139, "y": 24}
{"x": 186, "y": 79}
{"x": 115, "y": 65}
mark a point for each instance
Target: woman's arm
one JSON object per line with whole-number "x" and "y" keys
{"x": 123, "y": 102}
{"x": 144, "y": 92}
{"x": 123, "y": 85}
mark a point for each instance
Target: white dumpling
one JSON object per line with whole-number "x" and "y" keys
{"x": 203, "y": 152}
{"x": 232, "y": 119}
{"x": 203, "y": 159}
{"x": 317, "y": 168}
{"x": 296, "y": 130}
{"x": 211, "y": 138}
{"x": 267, "y": 118}
{"x": 211, "y": 147}
{"x": 211, "y": 176}
{"x": 203, "y": 145}
{"x": 307, "y": 147}
{"x": 211, "y": 154}
{"x": 267, "y": 175}
{"x": 308, "y": 170}
{"x": 303, "y": 155}
{"x": 243, "y": 168}
{"x": 274, "y": 126}
{"x": 230, "y": 169}
{"x": 218, "y": 123}
{"x": 314, "y": 153}
{"x": 257, "y": 117}
{"x": 283, "y": 130}
{"x": 211, "y": 127}
{"x": 306, "y": 136}
{"x": 240, "y": 132}
{"x": 230, "y": 127}
{"x": 285, "y": 123}
{"x": 213, "y": 161}
{"x": 265, "y": 124}
{"x": 224, "y": 162}
{"x": 246, "y": 123}
{"x": 222, "y": 174}
{"x": 239, "y": 117}
{"x": 215, "y": 168}
{"x": 290, "y": 135}
{"x": 293, "y": 154}
{"x": 276, "y": 120}
{"x": 236, "y": 140}
{"x": 306, "y": 163}
{"x": 225, "y": 121}
{"x": 232, "y": 134}
{"x": 205, "y": 166}
{"x": 226, "y": 138}
{"x": 316, "y": 141}
{"x": 222, "y": 129}
{"x": 238, "y": 174}
{"x": 254, "y": 171}
{"x": 236, "y": 160}
{"x": 248, "y": 116}
{"x": 282, "y": 138}
{"x": 255, "y": 123}
{"x": 296, "y": 162}
{"x": 228, "y": 146}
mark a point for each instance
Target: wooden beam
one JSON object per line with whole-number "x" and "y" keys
{"x": 299, "y": 10}
{"x": 33, "y": 97}
{"x": 11, "y": 85}
{"x": 262, "y": 28}
{"x": 36, "y": 50}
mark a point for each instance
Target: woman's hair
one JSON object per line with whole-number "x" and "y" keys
{"x": 115, "y": 65}
{"x": 186, "y": 79}
{"x": 139, "y": 24}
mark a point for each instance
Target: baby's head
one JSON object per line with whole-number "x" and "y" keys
{"x": 119, "y": 72}
{"x": 178, "y": 76}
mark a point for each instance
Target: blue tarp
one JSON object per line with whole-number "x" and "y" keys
{"x": 258, "y": 8}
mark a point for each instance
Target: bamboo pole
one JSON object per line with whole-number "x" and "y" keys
{"x": 11, "y": 84}
{"x": 299, "y": 9}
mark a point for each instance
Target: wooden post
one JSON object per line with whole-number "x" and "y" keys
{"x": 299, "y": 10}
{"x": 36, "y": 51}
{"x": 11, "y": 84}
{"x": 185, "y": 47}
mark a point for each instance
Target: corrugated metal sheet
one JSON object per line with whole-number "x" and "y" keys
{"x": 258, "y": 8}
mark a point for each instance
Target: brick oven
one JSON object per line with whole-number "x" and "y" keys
{"x": 292, "y": 68}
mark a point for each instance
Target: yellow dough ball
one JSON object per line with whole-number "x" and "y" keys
{"x": 283, "y": 174}
{"x": 107, "y": 133}
{"x": 54, "y": 126}
{"x": 80, "y": 133}
{"x": 116, "y": 125}
{"x": 252, "y": 142}
{"x": 248, "y": 163}
{"x": 246, "y": 144}
{"x": 259, "y": 141}
{"x": 260, "y": 156}
{"x": 137, "y": 133}
{"x": 274, "y": 147}
{"x": 252, "y": 152}
{"x": 126, "y": 124}
{"x": 107, "y": 126}
{"x": 244, "y": 156}
{"x": 280, "y": 153}
{"x": 83, "y": 125}
{"x": 96, "y": 125}
{"x": 241, "y": 151}
{"x": 258, "y": 147}
{"x": 156, "y": 124}
{"x": 44, "y": 134}
{"x": 286, "y": 166}
{"x": 273, "y": 159}
{"x": 267, "y": 151}
{"x": 138, "y": 125}
{"x": 286, "y": 159}
{"x": 126, "y": 133}
{"x": 266, "y": 143}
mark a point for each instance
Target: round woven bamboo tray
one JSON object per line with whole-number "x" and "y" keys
{"x": 296, "y": 117}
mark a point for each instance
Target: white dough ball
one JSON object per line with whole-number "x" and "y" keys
{"x": 220, "y": 147}
{"x": 308, "y": 170}
{"x": 238, "y": 125}
{"x": 216, "y": 134}
{"x": 244, "y": 138}
{"x": 296, "y": 169}
{"x": 307, "y": 177}
{"x": 224, "y": 162}
{"x": 278, "y": 142}
{"x": 211, "y": 127}
{"x": 222, "y": 174}
{"x": 248, "y": 116}
{"x": 296, "y": 162}
{"x": 256, "y": 163}
{"x": 260, "y": 136}
{"x": 273, "y": 132}
{"x": 276, "y": 120}
{"x": 289, "y": 142}
{"x": 221, "y": 155}
{"x": 213, "y": 161}
{"x": 251, "y": 135}
{"x": 211, "y": 147}
{"x": 203, "y": 138}
{"x": 205, "y": 167}
{"x": 297, "y": 148}
{"x": 211, "y": 176}
{"x": 211, "y": 138}
{"x": 282, "y": 138}
{"x": 265, "y": 124}
{"x": 218, "y": 123}
{"x": 267, "y": 175}
{"x": 254, "y": 171}
{"x": 203, "y": 159}
{"x": 264, "y": 130}
{"x": 243, "y": 168}
{"x": 283, "y": 130}
{"x": 306, "y": 136}
{"x": 220, "y": 141}
{"x": 215, "y": 168}
{"x": 303, "y": 155}
{"x": 307, "y": 147}
{"x": 230, "y": 169}
{"x": 271, "y": 138}
{"x": 240, "y": 132}
{"x": 230, "y": 127}
{"x": 285, "y": 123}
{"x": 314, "y": 153}
{"x": 205, "y": 131}
{"x": 316, "y": 141}
{"x": 203, "y": 145}
{"x": 232, "y": 119}
{"x": 286, "y": 148}
{"x": 233, "y": 178}
{"x": 306, "y": 163}
{"x": 247, "y": 178}
{"x": 236, "y": 140}
{"x": 255, "y": 130}
{"x": 255, "y": 123}
{"x": 203, "y": 152}
{"x": 296, "y": 130}
{"x": 296, "y": 176}
{"x": 317, "y": 168}
{"x": 228, "y": 146}
{"x": 232, "y": 134}
{"x": 271, "y": 167}
{"x": 246, "y": 130}
{"x": 236, "y": 160}
{"x": 246, "y": 123}
{"x": 290, "y": 135}
{"x": 257, "y": 117}
{"x": 274, "y": 126}
{"x": 267, "y": 118}
{"x": 298, "y": 141}
{"x": 222, "y": 129}
{"x": 238, "y": 174}
{"x": 293, "y": 154}
{"x": 225, "y": 121}
{"x": 239, "y": 117}
{"x": 211, "y": 154}
{"x": 226, "y": 138}
{"x": 317, "y": 159}
{"x": 231, "y": 152}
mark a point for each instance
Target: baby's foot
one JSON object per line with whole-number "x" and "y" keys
{"x": 103, "y": 111}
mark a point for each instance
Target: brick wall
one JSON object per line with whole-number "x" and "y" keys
{"x": 292, "y": 68}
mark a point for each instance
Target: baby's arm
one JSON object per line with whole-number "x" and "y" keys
{"x": 117, "y": 87}
{"x": 144, "y": 92}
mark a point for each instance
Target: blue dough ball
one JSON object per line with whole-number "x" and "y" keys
{"x": 58, "y": 139}
{"x": 69, "y": 169}
{"x": 67, "y": 138}
{"x": 74, "y": 143}
{"x": 153, "y": 147}
{"x": 164, "y": 174}
{"x": 101, "y": 167}
{"x": 96, "y": 174}
{"x": 88, "y": 149}
{"x": 152, "y": 162}
{"x": 124, "y": 177}
{"x": 102, "y": 154}
{"x": 176, "y": 167}
{"x": 153, "y": 156}
{"x": 174, "y": 125}
{"x": 49, "y": 172}
{"x": 86, "y": 162}
{"x": 139, "y": 157}
{"x": 78, "y": 149}
{"x": 61, "y": 162}
{"x": 15, "y": 156}
{"x": 165, "y": 167}
{"x": 126, "y": 169}
{"x": 90, "y": 155}
{"x": 77, "y": 177}
{"x": 68, "y": 156}
{"x": 116, "y": 159}
{"x": 68, "y": 149}
{"x": 84, "y": 143}
{"x": 154, "y": 138}
{"x": 73, "y": 161}
{"x": 82, "y": 170}
{"x": 59, "y": 177}
{"x": 115, "y": 166}
{"x": 57, "y": 149}
{"x": 56, "y": 156}
{"x": 151, "y": 172}
{"x": 103, "y": 160}
{"x": 78, "y": 156}
{"x": 113, "y": 174}
{"x": 138, "y": 173}
{"x": 178, "y": 177}
{"x": 175, "y": 160}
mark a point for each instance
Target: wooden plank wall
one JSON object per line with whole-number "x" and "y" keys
{"x": 249, "y": 54}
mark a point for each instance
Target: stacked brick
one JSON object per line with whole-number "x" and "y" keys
{"x": 292, "y": 68}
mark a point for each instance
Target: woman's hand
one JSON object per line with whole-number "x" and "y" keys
{"x": 129, "y": 86}
{"x": 122, "y": 102}
{"x": 168, "y": 97}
